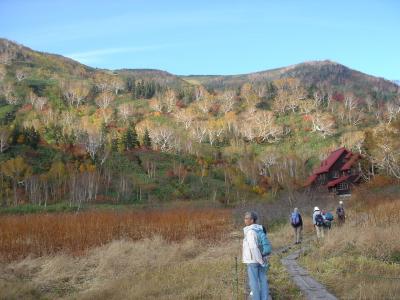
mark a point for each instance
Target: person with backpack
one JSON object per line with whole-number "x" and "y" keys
{"x": 256, "y": 248}
{"x": 297, "y": 223}
{"x": 318, "y": 221}
{"x": 328, "y": 218}
{"x": 341, "y": 215}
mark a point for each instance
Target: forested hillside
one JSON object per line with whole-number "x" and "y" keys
{"x": 74, "y": 134}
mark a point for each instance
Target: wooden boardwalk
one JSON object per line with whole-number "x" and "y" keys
{"x": 311, "y": 288}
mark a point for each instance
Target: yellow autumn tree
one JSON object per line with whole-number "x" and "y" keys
{"x": 16, "y": 169}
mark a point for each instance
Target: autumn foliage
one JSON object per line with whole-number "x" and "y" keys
{"x": 43, "y": 234}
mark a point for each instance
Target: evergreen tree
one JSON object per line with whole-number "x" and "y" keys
{"x": 136, "y": 143}
{"x": 15, "y": 134}
{"x": 104, "y": 131}
{"x": 115, "y": 115}
{"x": 130, "y": 85}
{"x": 139, "y": 90}
{"x": 146, "y": 139}
{"x": 130, "y": 138}
{"x": 32, "y": 137}
{"x": 114, "y": 144}
{"x": 271, "y": 91}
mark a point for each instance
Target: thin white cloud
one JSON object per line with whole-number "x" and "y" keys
{"x": 97, "y": 54}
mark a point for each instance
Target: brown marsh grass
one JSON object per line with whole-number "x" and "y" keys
{"x": 42, "y": 234}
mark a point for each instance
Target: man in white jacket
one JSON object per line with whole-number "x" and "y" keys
{"x": 256, "y": 265}
{"x": 318, "y": 227}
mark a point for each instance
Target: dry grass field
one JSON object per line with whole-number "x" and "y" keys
{"x": 361, "y": 260}
{"x": 172, "y": 254}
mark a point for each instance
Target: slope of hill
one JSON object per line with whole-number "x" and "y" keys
{"x": 219, "y": 133}
{"x": 161, "y": 77}
{"x": 314, "y": 74}
{"x": 19, "y": 57}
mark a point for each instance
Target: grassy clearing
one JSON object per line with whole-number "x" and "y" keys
{"x": 361, "y": 259}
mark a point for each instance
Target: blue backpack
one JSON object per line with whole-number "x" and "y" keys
{"x": 319, "y": 220}
{"x": 263, "y": 242}
{"x": 295, "y": 219}
{"x": 329, "y": 216}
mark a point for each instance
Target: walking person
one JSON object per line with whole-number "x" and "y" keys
{"x": 297, "y": 223}
{"x": 256, "y": 248}
{"x": 341, "y": 215}
{"x": 328, "y": 218}
{"x": 318, "y": 221}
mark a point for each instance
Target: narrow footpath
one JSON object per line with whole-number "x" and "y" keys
{"x": 311, "y": 288}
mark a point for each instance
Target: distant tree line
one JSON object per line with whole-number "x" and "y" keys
{"x": 142, "y": 89}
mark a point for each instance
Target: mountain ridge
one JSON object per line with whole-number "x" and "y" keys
{"x": 318, "y": 63}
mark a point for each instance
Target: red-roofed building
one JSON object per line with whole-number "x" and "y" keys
{"x": 338, "y": 172}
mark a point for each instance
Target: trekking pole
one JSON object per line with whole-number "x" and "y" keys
{"x": 237, "y": 277}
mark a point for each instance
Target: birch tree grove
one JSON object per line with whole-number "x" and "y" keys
{"x": 199, "y": 131}
{"x": 215, "y": 129}
{"x": 392, "y": 112}
{"x": 169, "y": 100}
{"x": 83, "y": 184}
{"x": 162, "y": 137}
{"x": 185, "y": 117}
{"x": 260, "y": 126}
{"x": 227, "y": 101}
{"x": 92, "y": 140}
{"x": 104, "y": 99}
{"x": 266, "y": 128}
{"x": 385, "y": 152}
{"x": 125, "y": 111}
{"x": 117, "y": 85}
{"x": 74, "y": 92}
{"x": 288, "y": 96}
{"x": 157, "y": 105}
{"x": 4, "y": 136}
{"x": 323, "y": 124}
{"x": 199, "y": 93}
{"x": 354, "y": 111}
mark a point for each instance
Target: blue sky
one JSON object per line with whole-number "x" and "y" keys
{"x": 210, "y": 37}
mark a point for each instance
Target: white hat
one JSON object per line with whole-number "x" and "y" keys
{"x": 316, "y": 208}
{"x": 340, "y": 202}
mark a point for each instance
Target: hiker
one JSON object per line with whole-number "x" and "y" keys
{"x": 328, "y": 218}
{"x": 256, "y": 248}
{"x": 341, "y": 216}
{"x": 318, "y": 221}
{"x": 297, "y": 223}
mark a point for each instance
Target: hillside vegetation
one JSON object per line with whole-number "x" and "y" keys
{"x": 78, "y": 135}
